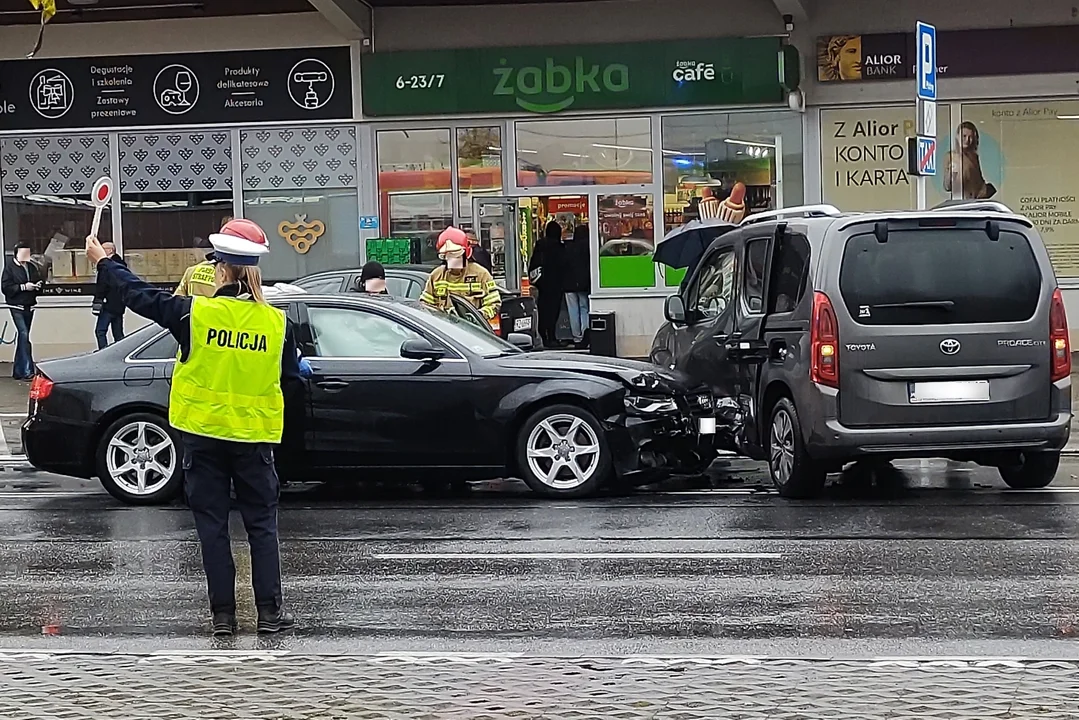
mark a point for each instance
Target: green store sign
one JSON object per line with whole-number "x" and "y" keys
{"x": 544, "y": 80}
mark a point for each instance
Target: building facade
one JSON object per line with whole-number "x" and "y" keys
{"x": 333, "y": 128}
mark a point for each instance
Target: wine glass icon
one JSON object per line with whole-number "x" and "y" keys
{"x": 176, "y": 89}
{"x": 184, "y": 83}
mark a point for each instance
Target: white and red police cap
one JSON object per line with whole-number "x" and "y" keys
{"x": 240, "y": 242}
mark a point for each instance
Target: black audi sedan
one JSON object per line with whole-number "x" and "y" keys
{"x": 399, "y": 391}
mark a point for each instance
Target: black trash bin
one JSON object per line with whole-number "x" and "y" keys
{"x": 601, "y": 334}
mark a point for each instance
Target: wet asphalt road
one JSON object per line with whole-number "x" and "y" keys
{"x": 914, "y": 561}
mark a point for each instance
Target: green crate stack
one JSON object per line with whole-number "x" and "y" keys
{"x": 390, "y": 251}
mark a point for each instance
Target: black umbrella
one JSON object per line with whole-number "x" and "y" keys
{"x": 684, "y": 246}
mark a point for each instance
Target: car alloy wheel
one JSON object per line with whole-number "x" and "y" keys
{"x": 781, "y": 447}
{"x": 141, "y": 458}
{"x": 563, "y": 452}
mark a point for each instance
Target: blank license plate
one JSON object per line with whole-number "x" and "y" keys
{"x": 960, "y": 391}
{"x": 524, "y": 323}
{"x": 708, "y": 426}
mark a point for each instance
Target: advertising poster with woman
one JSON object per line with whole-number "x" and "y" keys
{"x": 1025, "y": 155}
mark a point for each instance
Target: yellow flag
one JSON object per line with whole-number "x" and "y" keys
{"x": 48, "y": 9}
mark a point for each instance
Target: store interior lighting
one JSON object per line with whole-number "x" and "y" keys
{"x": 748, "y": 143}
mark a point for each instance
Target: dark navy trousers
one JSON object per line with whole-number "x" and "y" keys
{"x": 212, "y": 468}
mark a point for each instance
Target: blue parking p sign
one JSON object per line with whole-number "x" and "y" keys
{"x": 926, "y": 39}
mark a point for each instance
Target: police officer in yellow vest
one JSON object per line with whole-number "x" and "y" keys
{"x": 238, "y": 361}
{"x": 201, "y": 278}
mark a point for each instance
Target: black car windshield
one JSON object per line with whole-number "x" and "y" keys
{"x": 479, "y": 341}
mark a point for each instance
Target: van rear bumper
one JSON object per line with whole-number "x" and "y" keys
{"x": 835, "y": 441}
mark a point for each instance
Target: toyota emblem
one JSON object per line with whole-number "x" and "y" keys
{"x": 950, "y": 346}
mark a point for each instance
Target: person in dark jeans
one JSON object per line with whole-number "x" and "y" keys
{"x": 577, "y": 284}
{"x": 21, "y": 284}
{"x": 109, "y": 305}
{"x": 545, "y": 271}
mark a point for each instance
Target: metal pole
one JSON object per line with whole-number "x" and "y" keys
{"x": 921, "y": 192}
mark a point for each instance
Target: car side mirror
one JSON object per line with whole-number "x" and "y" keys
{"x": 674, "y": 309}
{"x": 421, "y": 349}
{"x": 520, "y": 340}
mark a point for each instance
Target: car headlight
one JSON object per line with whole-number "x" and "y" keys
{"x": 650, "y": 405}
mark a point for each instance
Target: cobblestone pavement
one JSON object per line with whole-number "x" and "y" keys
{"x": 278, "y": 686}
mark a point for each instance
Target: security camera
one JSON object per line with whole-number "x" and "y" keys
{"x": 788, "y": 23}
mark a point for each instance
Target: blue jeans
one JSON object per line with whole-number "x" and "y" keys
{"x": 105, "y": 320}
{"x": 577, "y": 307}
{"x": 24, "y": 351}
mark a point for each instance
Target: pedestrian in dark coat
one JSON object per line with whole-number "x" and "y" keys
{"x": 545, "y": 273}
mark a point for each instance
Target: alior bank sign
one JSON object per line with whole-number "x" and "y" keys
{"x": 544, "y": 80}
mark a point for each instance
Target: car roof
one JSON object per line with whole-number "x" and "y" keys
{"x": 826, "y": 215}
{"x": 411, "y": 268}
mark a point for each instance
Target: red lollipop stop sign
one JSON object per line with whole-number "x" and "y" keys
{"x": 100, "y": 197}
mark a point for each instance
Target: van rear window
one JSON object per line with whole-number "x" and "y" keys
{"x": 939, "y": 276}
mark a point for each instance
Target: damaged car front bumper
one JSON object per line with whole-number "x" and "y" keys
{"x": 660, "y": 435}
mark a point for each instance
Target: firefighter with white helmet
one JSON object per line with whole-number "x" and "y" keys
{"x": 459, "y": 275}
{"x": 238, "y": 362}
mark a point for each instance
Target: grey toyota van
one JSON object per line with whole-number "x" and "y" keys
{"x": 844, "y": 336}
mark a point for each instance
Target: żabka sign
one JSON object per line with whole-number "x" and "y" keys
{"x": 545, "y": 80}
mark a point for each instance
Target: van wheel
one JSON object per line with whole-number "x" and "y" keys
{"x": 794, "y": 473}
{"x": 1035, "y": 470}
{"x": 562, "y": 452}
{"x": 140, "y": 459}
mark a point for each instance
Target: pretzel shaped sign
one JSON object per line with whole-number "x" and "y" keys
{"x": 301, "y": 234}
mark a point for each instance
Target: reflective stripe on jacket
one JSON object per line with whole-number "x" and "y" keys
{"x": 474, "y": 284}
{"x": 230, "y": 386}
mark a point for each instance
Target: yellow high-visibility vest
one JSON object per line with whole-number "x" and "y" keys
{"x": 230, "y": 386}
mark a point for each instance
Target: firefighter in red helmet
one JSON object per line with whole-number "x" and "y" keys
{"x": 459, "y": 275}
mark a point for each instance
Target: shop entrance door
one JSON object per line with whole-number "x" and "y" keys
{"x": 498, "y": 231}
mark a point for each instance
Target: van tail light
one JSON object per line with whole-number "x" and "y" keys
{"x": 40, "y": 388}
{"x": 824, "y": 337}
{"x": 1059, "y": 342}
{"x": 496, "y": 324}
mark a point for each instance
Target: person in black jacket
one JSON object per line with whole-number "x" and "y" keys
{"x": 577, "y": 283}
{"x": 480, "y": 255}
{"x": 545, "y": 270}
{"x": 109, "y": 305}
{"x": 21, "y": 282}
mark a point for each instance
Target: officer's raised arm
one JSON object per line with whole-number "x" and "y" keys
{"x": 153, "y": 303}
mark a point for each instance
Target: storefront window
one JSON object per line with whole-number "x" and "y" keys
{"x": 617, "y": 151}
{"x": 626, "y": 241}
{"x": 479, "y": 166}
{"x": 300, "y": 186}
{"x": 705, "y": 156}
{"x": 1024, "y": 155}
{"x": 175, "y": 189}
{"x": 165, "y": 233}
{"x": 45, "y": 186}
{"x": 864, "y": 158}
{"x": 415, "y": 185}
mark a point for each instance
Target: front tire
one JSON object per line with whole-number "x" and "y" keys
{"x": 794, "y": 474}
{"x": 140, "y": 459}
{"x": 563, "y": 453}
{"x": 1034, "y": 471}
